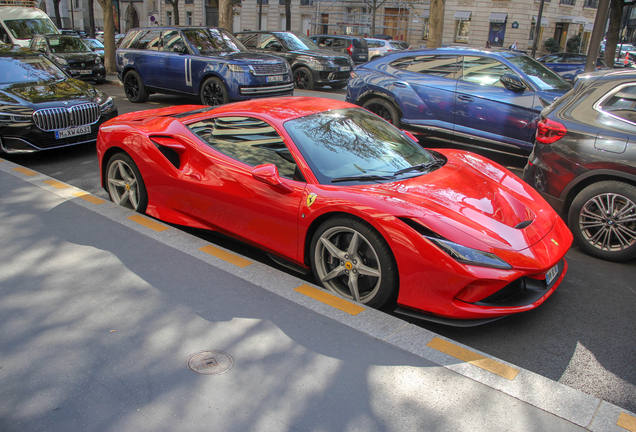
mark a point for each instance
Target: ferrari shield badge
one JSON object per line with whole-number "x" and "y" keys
{"x": 311, "y": 198}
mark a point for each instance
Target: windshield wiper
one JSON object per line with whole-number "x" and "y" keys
{"x": 420, "y": 167}
{"x": 370, "y": 177}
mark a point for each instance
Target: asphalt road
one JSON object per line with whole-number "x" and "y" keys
{"x": 583, "y": 336}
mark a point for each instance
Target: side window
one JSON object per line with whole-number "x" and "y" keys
{"x": 373, "y": 44}
{"x": 4, "y": 37}
{"x": 130, "y": 37}
{"x": 147, "y": 40}
{"x": 340, "y": 43}
{"x": 269, "y": 42}
{"x": 249, "y": 140}
{"x": 445, "y": 66}
{"x": 325, "y": 42}
{"x": 484, "y": 71}
{"x": 249, "y": 40}
{"x": 622, "y": 103}
{"x": 551, "y": 59}
{"x": 172, "y": 39}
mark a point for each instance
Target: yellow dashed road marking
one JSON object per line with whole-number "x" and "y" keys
{"x": 56, "y": 184}
{"x": 90, "y": 198}
{"x": 471, "y": 357}
{"x": 627, "y": 422}
{"x": 148, "y": 223}
{"x": 25, "y": 171}
{"x": 225, "y": 256}
{"x": 330, "y": 299}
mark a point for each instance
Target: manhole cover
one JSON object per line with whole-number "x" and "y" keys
{"x": 210, "y": 362}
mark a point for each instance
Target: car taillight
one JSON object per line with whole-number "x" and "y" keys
{"x": 350, "y": 49}
{"x": 549, "y": 131}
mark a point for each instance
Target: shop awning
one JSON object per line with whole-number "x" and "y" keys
{"x": 572, "y": 19}
{"x": 462, "y": 16}
{"x": 588, "y": 27}
{"x": 498, "y": 17}
{"x": 544, "y": 21}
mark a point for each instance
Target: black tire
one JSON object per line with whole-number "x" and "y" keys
{"x": 338, "y": 86}
{"x": 303, "y": 79}
{"x": 385, "y": 109}
{"x": 213, "y": 92}
{"x": 370, "y": 268}
{"x": 124, "y": 183}
{"x": 602, "y": 219}
{"x": 134, "y": 88}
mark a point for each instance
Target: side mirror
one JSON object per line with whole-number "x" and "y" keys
{"x": 181, "y": 49}
{"x": 268, "y": 174}
{"x": 512, "y": 82}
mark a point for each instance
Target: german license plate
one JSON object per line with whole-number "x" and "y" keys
{"x": 551, "y": 274}
{"x": 274, "y": 78}
{"x": 344, "y": 68}
{"x": 82, "y": 72}
{"x": 65, "y": 133}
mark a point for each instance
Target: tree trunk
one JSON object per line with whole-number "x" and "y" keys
{"x": 436, "y": 24}
{"x": 109, "y": 35}
{"x": 226, "y": 18}
{"x": 56, "y": 8}
{"x": 613, "y": 31}
{"x": 91, "y": 19}
{"x": 287, "y": 15}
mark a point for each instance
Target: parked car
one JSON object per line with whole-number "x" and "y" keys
{"x": 584, "y": 162}
{"x": 569, "y": 65}
{"x": 69, "y": 32}
{"x": 336, "y": 189}
{"x": 19, "y": 24}
{"x": 379, "y": 47}
{"x": 312, "y": 67}
{"x": 462, "y": 96}
{"x": 96, "y": 46}
{"x": 72, "y": 55}
{"x": 355, "y": 46}
{"x": 42, "y": 108}
{"x": 210, "y": 63}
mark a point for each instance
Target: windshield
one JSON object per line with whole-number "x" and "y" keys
{"x": 28, "y": 69}
{"x": 213, "y": 41}
{"x": 94, "y": 43}
{"x": 62, "y": 44}
{"x": 353, "y": 142}
{"x": 296, "y": 42}
{"x": 540, "y": 75}
{"x": 27, "y": 28}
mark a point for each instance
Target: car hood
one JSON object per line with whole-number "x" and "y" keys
{"x": 77, "y": 57}
{"x": 319, "y": 53}
{"x": 41, "y": 93}
{"x": 471, "y": 201}
{"x": 251, "y": 58}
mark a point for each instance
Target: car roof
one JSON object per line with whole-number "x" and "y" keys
{"x": 378, "y": 40}
{"x": 457, "y": 50}
{"x": 17, "y": 51}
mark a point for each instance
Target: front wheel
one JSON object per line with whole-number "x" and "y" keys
{"x": 134, "y": 88}
{"x": 384, "y": 109}
{"x": 303, "y": 79}
{"x": 125, "y": 185}
{"x": 213, "y": 92}
{"x": 351, "y": 259}
{"x": 602, "y": 219}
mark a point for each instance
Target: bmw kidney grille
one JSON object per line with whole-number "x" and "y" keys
{"x": 52, "y": 119}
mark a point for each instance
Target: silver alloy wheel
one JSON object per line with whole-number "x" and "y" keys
{"x": 347, "y": 264}
{"x": 122, "y": 185}
{"x": 608, "y": 222}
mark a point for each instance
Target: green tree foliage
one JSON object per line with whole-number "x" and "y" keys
{"x": 574, "y": 44}
{"x": 552, "y": 46}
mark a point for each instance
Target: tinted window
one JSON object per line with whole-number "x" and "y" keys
{"x": 248, "y": 140}
{"x": 249, "y": 40}
{"x": 29, "y": 69}
{"x": 484, "y": 71}
{"x": 171, "y": 40}
{"x": 26, "y": 28}
{"x": 353, "y": 142}
{"x": 296, "y": 41}
{"x": 340, "y": 43}
{"x": 211, "y": 41}
{"x": 540, "y": 75}
{"x": 447, "y": 66}
{"x": 64, "y": 44}
{"x": 269, "y": 42}
{"x": 129, "y": 39}
{"x": 147, "y": 39}
{"x": 622, "y": 103}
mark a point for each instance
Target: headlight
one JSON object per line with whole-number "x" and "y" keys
{"x": 97, "y": 60}
{"x": 60, "y": 60}
{"x": 235, "y": 68}
{"x": 107, "y": 105}
{"x": 320, "y": 64}
{"x": 15, "y": 115}
{"x": 467, "y": 255}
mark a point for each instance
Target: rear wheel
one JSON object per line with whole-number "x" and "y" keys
{"x": 303, "y": 79}
{"x": 602, "y": 219}
{"x": 384, "y": 109}
{"x": 354, "y": 261}
{"x": 134, "y": 88}
{"x": 213, "y": 92}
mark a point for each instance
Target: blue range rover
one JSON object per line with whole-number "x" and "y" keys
{"x": 208, "y": 62}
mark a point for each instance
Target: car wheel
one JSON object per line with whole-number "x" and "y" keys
{"x": 602, "y": 219}
{"x": 134, "y": 88}
{"x": 303, "y": 79}
{"x": 351, "y": 259}
{"x": 213, "y": 92}
{"x": 384, "y": 109}
{"x": 125, "y": 185}
{"x": 338, "y": 86}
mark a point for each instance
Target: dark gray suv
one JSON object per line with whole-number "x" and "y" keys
{"x": 313, "y": 67}
{"x": 355, "y": 46}
{"x": 584, "y": 162}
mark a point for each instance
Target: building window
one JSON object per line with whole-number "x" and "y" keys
{"x": 568, "y": 2}
{"x": 265, "y": 2}
{"x": 461, "y": 31}
{"x": 425, "y": 23}
{"x": 169, "y": 18}
{"x": 304, "y": 2}
{"x": 591, "y": 4}
{"x": 189, "y": 1}
{"x": 189, "y": 20}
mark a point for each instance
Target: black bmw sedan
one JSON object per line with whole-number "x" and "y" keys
{"x": 43, "y": 108}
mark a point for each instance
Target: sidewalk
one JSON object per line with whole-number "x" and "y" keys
{"x": 101, "y": 308}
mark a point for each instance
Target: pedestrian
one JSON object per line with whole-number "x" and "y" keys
{"x": 487, "y": 44}
{"x": 513, "y": 46}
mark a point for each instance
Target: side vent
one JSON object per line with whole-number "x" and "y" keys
{"x": 170, "y": 149}
{"x": 522, "y": 225}
{"x": 420, "y": 228}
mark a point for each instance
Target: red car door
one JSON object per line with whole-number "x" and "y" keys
{"x": 225, "y": 193}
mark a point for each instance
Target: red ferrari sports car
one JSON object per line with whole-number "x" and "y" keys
{"x": 328, "y": 186}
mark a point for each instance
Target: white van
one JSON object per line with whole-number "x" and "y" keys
{"x": 19, "y": 24}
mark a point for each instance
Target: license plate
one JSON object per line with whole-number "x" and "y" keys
{"x": 65, "y": 133}
{"x": 362, "y": 56}
{"x": 344, "y": 68}
{"x": 274, "y": 78}
{"x": 82, "y": 72}
{"x": 551, "y": 274}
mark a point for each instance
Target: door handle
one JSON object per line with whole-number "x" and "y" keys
{"x": 466, "y": 98}
{"x": 400, "y": 84}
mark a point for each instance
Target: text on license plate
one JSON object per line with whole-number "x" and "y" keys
{"x": 551, "y": 274}
{"x": 274, "y": 78}
{"x": 82, "y": 72}
{"x": 65, "y": 133}
{"x": 344, "y": 68}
